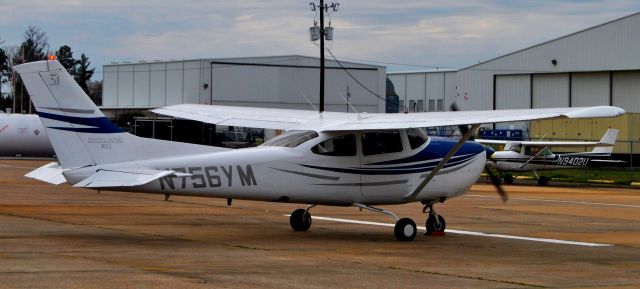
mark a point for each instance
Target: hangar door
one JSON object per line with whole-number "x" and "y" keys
{"x": 590, "y": 88}
{"x": 626, "y": 88}
{"x": 550, "y": 90}
{"x": 513, "y": 91}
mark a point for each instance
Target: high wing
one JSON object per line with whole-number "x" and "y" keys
{"x": 124, "y": 177}
{"x": 607, "y": 140}
{"x": 273, "y": 118}
{"x": 287, "y": 119}
{"x": 547, "y": 143}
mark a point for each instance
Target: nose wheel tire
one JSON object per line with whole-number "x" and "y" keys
{"x": 405, "y": 230}
{"x": 433, "y": 226}
{"x": 300, "y": 220}
{"x": 543, "y": 181}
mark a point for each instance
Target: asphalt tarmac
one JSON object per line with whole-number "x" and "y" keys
{"x": 64, "y": 237}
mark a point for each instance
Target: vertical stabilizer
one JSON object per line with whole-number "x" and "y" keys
{"x": 80, "y": 134}
{"x": 609, "y": 139}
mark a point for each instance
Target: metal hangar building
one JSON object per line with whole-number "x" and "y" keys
{"x": 276, "y": 81}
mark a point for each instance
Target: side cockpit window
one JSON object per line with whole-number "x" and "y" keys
{"x": 417, "y": 137}
{"x": 341, "y": 146}
{"x": 383, "y": 142}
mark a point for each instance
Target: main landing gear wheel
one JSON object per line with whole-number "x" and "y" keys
{"x": 508, "y": 179}
{"x": 405, "y": 230}
{"x": 543, "y": 181}
{"x": 434, "y": 227}
{"x": 300, "y": 220}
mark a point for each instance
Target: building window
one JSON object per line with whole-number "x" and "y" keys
{"x": 432, "y": 105}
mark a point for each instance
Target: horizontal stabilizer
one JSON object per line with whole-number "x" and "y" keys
{"x": 50, "y": 173}
{"x": 122, "y": 178}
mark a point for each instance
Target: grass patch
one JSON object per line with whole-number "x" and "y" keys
{"x": 618, "y": 176}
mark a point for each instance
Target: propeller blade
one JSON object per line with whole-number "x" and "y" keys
{"x": 495, "y": 180}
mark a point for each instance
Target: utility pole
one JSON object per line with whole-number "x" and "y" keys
{"x": 322, "y": 33}
{"x": 321, "y": 56}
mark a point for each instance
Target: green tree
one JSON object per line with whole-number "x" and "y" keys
{"x": 83, "y": 73}
{"x": 65, "y": 57}
{"x": 34, "y": 47}
{"x": 95, "y": 91}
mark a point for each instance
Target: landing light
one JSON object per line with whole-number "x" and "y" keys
{"x": 52, "y": 57}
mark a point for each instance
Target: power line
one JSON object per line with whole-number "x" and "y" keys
{"x": 362, "y": 85}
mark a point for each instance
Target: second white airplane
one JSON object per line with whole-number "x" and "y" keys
{"x": 336, "y": 159}
{"x": 534, "y": 156}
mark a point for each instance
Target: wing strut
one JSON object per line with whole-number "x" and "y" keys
{"x": 443, "y": 162}
{"x": 533, "y": 157}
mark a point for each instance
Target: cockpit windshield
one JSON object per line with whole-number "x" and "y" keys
{"x": 292, "y": 138}
{"x": 537, "y": 150}
{"x": 514, "y": 147}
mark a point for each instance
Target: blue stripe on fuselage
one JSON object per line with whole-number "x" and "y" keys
{"x": 97, "y": 124}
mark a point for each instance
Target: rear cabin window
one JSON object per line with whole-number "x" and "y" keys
{"x": 417, "y": 137}
{"x": 383, "y": 142}
{"x": 341, "y": 146}
{"x": 292, "y": 139}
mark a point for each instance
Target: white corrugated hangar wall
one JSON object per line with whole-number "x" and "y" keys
{"x": 289, "y": 81}
{"x": 424, "y": 90}
{"x": 595, "y": 66}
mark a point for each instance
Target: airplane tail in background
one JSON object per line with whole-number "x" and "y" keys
{"x": 609, "y": 139}
{"x": 80, "y": 134}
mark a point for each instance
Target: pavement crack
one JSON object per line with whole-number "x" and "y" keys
{"x": 465, "y": 277}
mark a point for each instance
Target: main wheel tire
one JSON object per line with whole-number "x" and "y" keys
{"x": 508, "y": 179}
{"x": 543, "y": 181}
{"x": 433, "y": 226}
{"x": 300, "y": 220}
{"x": 495, "y": 180}
{"x": 405, "y": 230}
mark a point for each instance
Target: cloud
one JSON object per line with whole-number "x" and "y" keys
{"x": 439, "y": 33}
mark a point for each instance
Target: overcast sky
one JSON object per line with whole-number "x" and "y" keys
{"x": 432, "y": 33}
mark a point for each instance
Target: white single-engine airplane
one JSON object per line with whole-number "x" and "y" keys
{"x": 534, "y": 156}
{"x": 330, "y": 158}
{"x": 23, "y": 134}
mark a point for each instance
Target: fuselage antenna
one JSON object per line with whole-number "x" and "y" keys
{"x": 347, "y": 101}
{"x": 309, "y": 101}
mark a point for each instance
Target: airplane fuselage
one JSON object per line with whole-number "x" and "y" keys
{"x": 296, "y": 174}
{"x": 516, "y": 162}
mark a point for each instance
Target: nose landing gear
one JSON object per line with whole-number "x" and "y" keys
{"x": 435, "y": 224}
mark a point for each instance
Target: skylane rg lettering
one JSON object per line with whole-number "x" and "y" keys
{"x": 210, "y": 177}
{"x": 572, "y": 161}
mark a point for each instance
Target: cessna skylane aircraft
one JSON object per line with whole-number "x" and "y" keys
{"x": 533, "y": 156}
{"x": 329, "y": 158}
{"x": 23, "y": 134}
